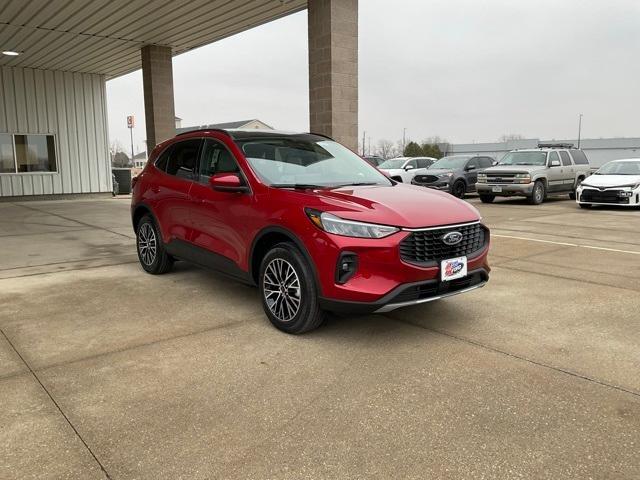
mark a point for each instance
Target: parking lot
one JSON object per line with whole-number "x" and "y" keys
{"x": 107, "y": 372}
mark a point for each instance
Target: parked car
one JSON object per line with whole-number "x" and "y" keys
{"x": 374, "y": 160}
{"x": 403, "y": 169}
{"x": 456, "y": 174}
{"x": 615, "y": 183}
{"x": 114, "y": 185}
{"x": 535, "y": 173}
{"x": 306, "y": 220}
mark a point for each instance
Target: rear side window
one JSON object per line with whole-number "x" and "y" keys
{"x": 161, "y": 162}
{"x": 566, "y": 160}
{"x": 579, "y": 158}
{"x": 183, "y": 158}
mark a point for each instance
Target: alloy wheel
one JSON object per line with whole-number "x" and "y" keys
{"x": 281, "y": 287}
{"x": 147, "y": 244}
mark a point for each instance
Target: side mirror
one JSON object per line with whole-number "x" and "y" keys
{"x": 227, "y": 182}
{"x": 554, "y": 163}
{"x": 470, "y": 167}
{"x": 408, "y": 167}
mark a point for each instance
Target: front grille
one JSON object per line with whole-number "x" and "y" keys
{"x": 427, "y": 248}
{"x": 426, "y": 178}
{"x": 606, "y": 196}
{"x": 434, "y": 288}
{"x": 500, "y": 178}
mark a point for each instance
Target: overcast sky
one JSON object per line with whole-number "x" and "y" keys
{"x": 466, "y": 70}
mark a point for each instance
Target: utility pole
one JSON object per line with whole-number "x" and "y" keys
{"x": 364, "y": 133}
{"x": 579, "y": 129}
{"x": 404, "y": 139}
{"x": 369, "y": 147}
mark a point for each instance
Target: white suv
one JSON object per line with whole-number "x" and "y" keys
{"x": 403, "y": 169}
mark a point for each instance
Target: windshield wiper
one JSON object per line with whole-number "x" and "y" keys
{"x": 297, "y": 186}
{"x": 355, "y": 184}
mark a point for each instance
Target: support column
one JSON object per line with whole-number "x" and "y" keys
{"x": 333, "y": 69}
{"x": 157, "y": 80}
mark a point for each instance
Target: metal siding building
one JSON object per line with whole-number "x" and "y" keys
{"x": 72, "y": 108}
{"x": 598, "y": 150}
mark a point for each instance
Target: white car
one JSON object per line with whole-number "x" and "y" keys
{"x": 403, "y": 169}
{"x": 615, "y": 183}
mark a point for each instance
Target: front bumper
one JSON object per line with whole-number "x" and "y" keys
{"x": 440, "y": 185}
{"x": 618, "y": 196}
{"x": 507, "y": 189}
{"x": 411, "y": 294}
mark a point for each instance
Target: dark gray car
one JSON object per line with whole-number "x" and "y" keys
{"x": 456, "y": 174}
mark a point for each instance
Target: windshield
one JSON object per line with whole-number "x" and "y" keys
{"x": 293, "y": 161}
{"x": 524, "y": 158}
{"x": 455, "y": 161}
{"x": 393, "y": 163}
{"x": 620, "y": 168}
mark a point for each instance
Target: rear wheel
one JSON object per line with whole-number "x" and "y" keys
{"x": 538, "y": 193}
{"x": 458, "y": 189}
{"x": 487, "y": 198}
{"x": 585, "y": 205}
{"x": 151, "y": 252}
{"x": 288, "y": 290}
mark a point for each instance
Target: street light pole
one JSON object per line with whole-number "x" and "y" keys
{"x": 364, "y": 133}
{"x": 579, "y": 129}
{"x": 404, "y": 139}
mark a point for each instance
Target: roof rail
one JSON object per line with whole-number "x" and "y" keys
{"x": 556, "y": 145}
{"x": 220, "y": 130}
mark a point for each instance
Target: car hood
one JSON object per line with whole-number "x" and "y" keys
{"x": 401, "y": 205}
{"x": 611, "y": 180}
{"x": 437, "y": 171}
{"x": 514, "y": 169}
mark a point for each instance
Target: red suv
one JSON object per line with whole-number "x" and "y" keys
{"x": 308, "y": 221}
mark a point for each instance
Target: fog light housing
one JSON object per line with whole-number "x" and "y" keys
{"x": 625, "y": 194}
{"x": 346, "y": 267}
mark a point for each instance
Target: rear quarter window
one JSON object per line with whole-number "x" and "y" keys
{"x": 579, "y": 158}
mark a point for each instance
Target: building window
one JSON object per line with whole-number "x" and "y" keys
{"x": 30, "y": 153}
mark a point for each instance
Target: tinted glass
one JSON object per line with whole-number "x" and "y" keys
{"x": 455, "y": 161}
{"x": 7, "y": 163}
{"x": 163, "y": 159}
{"x": 35, "y": 153}
{"x": 566, "y": 161}
{"x": 579, "y": 158}
{"x": 287, "y": 161}
{"x": 423, "y": 163}
{"x": 183, "y": 158}
{"x": 216, "y": 159}
{"x": 473, "y": 163}
{"x": 486, "y": 162}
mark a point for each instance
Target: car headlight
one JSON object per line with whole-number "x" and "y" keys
{"x": 522, "y": 178}
{"x": 482, "y": 178}
{"x": 348, "y": 228}
{"x": 445, "y": 175}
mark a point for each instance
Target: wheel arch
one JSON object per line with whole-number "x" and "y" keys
{"x": 266, "y": 239}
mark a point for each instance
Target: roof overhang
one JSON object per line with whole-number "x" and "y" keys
{"x": 105, "y": 36}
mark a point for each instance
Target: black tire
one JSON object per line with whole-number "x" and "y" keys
{"x": 279, "y": 295}
{"x": 487, "y": 198}
{"x": 458, "y": 189}
{"x": 572, "y": 194}
{"x": 585, "y": 205}
{"x": 538, "y": 193}
{"x": 155, "y": 261}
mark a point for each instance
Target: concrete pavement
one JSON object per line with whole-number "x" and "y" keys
{"x": 106, "y": 372}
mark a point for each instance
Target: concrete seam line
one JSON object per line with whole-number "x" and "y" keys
{"x": 566, "y": 244}
{"x": 521, "y": 358}
{"x": 75, "y": 260}
{"x": 77, "y": 221}
{"x": 523, "y": 231}
{"x": 68, "y": 270}
{"x": 56, "y": 405}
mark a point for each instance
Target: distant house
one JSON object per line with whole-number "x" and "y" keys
{"x": 244, "y": 124}
{"x": 139, "y": 159}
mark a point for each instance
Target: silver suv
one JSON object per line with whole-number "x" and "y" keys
{"x": 534, "y": 173}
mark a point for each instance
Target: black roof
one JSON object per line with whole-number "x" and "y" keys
{"x": 251, "y": 134}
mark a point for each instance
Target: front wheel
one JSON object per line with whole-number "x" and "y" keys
{"x": 288, "y": 290}
{"x": 538, "y": 193}
{"x": 459, "y": 189}
{"x": 487, "y": 198}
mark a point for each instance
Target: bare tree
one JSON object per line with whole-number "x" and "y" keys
{"x": 386, "y": 149}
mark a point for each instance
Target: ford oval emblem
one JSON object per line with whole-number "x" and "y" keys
{"x": 452, "y": 238}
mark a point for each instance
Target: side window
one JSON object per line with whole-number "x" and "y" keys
{"x": 183, "y": 157}
{"x": 473, "y": 163}
{"x": 552, "y": 156}
{"x": 486, "y": 162}
{"x": 216, "y": 159}
{"x": 423, "y": 163}
{"x": 161, "y": 162}
{"x": 412, "y": 163}
{"x": 566, "y": 160}
{"x": 579, "y": 158}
